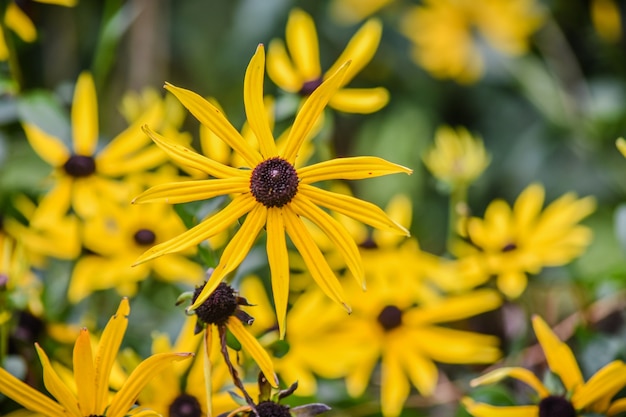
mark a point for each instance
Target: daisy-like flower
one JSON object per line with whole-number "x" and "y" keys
{"x": 91, "y": 375}
{"x": 272, "y": 192}
{"x": 299, "y": 70}
{"x": 443, "y": 33}
{"x": 511, "y": 242}
{"x": 19, "y": 22}
{"x": 457, "y": 158}
{"x": 83, "y": 175}
{"x": 577, "y": 398}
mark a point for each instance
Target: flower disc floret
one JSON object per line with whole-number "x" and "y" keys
{"x": 271, "y": 409}
{"x": 274, "y": 182}
{"x": 220, "y": 305}
{"x": 390, "y": 317}
{"x": 185, "y": 405}
{"x": 556, "y": 406}
{"x": 144, "y": 237}
{"x": 80, "y": 166}
{"x": 309, "y": 86}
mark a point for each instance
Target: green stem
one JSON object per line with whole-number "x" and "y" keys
{"x": 457, "y": 210}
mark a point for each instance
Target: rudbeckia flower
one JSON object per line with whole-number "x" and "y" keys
{"x": 511, "y": 242}
{"x": 579, "y": 397}
{"x": 299, "y": 70}
{"x": 19, "y": 22}
{"x": 91, "y": 375}
{"x": 444, "y": 33}
{"x": 272, "y": 192}
{"x": 84, "y": 175}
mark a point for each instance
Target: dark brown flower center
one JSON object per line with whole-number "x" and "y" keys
{"x": 80, "y": 166}
{"x": 274, "y": 182}
{"x": 556, "y": 406}
{"x": 144, "y": 237}
{"x": 309, "y": 86}
{"x": 185, "y": 405}
{"x": 390, "y": 317}
{"x": 220, "y": 305}
{"x": 509, "y": 247}
{"x": 271, "y": 409}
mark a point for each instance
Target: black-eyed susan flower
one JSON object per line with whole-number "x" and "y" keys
{"x": 271, "y": 191}
{"x": 444, "y": 33}
{"x": 91, "y": 375}
{"x": 296, "y": 68}
{"x": 577, "y": 396}
{"x": 84, "y": 174}
{"x": 511, "y": 242}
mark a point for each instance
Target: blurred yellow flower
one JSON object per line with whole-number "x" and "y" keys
{"x": 448, "y": 35}
{"x": 353, "y": 11}
{"x": 84, "y": 175}
{"x": 272, "y": 192}
{"x": 576, "y": 398}
{"x": 511, "y": 242}
{"x": 19, "y": 22}
{"x": 91, "y": 375}
{"x": 606, "y": 20}
{"x": 299, "y": 70}
{"x": 457, "y": 158}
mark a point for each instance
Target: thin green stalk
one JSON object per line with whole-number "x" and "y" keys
{"x": 457, "y": 210}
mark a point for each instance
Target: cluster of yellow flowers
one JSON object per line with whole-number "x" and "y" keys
{"x": 353, "y": 295}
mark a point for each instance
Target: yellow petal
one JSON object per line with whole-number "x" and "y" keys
{"x": 211, "y": 117}
{"x": 66, "y": 3}
{"x": 255, "y": 108}
{"x": 139, "y": 378}
{"x": 360, "y": 50}
{"x": 254, "y": 349}
{"x": 456, "y": 307}
{"x": 394, "y": 385}
{"x": 560, "y": 358}
{"x": 336, "y": 232}
{"x": 621, "y": 146}
{"x": 4, "y": 50}
{"x": 280, "y": 69}
{"x": 279, "y": 265}
{"x": 486, "y": 410}
{"x": 360, "y": 210}
{"x": 520, "y": 374}
{"x": 49, "y": 148}
{"x": 85, "y": 116}
{"x": 616, "y": 407}
{"x": 240, "y": 205}
{"x": 313, "y": 257}
{"x": 186, "y": 191}
{"x": 512, "y": 283}
{"x": 457, "y": 346}
{"x": 359, "y": 100}
{"x": 188, "y": 157}
{"x": 421, "y": 370}
{"x": 27, "y": 396}
{"x": 55, "y": 385}
{"x": 84, "y": 374}
{"x": 108, "y": 348}
{"x": 354, "y": 168}
{"x": 602, "y": 386}
{"x": 235, "y": 252}
{"x": 301, "y": 38}
{"x": 310, "y": 112}
{"x": 20, "y": 23}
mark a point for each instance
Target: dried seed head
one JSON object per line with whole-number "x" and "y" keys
{"x": 220, "y": 305}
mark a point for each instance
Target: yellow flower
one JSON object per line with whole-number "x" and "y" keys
{"x": 85, "y": 175}
{"x": 18, "y": 21}
{"x": 606, "y": 20}
{"x": 386, "y": 327}
{"x": 353, "y": 11}
{"x": 91, "y": 376}
{"x": 593, "y": 396}
{"x": 443, "y": 33}
{"x": 457, "y": 158}
{"x": 513, "y": 241}
{"x": 272, "y": 193}
{"x": 302, "y": 73}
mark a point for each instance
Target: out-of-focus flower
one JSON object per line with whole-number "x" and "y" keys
{"x": 84, "y": 175}
{"x": 91, "y": 374}
{"x": 577, "y": 397}
{"x": 273, "y": 193}
{"x": 621, "y": 146}
{"x": 116, "y": 236}
{"x": 299, "y": 70}
{"x": 606, "y": 20}
{"x": 353, "y": 11}
{"x": 444, "y": 33}
{"x": 457, "y": 158}
{"x": 387, "y": 327}
{"x": 511, "y": 242}
{"x": 19, "y": 22}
